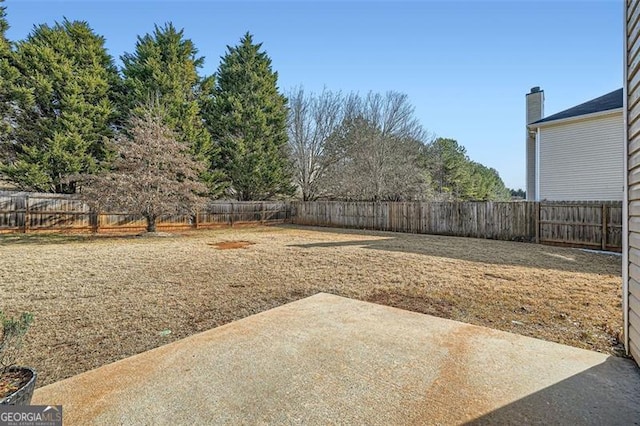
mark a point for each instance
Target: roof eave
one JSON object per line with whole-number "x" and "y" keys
{"x": 575, "y": 118}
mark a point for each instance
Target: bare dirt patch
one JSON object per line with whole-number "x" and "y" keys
{"x": 97, "y": 300}
{"x": 230, "y": 245}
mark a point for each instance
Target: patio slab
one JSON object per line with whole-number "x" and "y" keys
{"x": 332, "y": 360}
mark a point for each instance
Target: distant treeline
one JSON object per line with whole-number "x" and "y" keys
{"x": 63, "y": 99}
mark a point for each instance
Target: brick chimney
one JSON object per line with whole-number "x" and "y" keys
{"x": 535, "y": 111}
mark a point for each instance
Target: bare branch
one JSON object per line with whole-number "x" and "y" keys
{"x": 153, "y": 174}
{"x": 312, "y": 120}
{"x": 378, "y": 145}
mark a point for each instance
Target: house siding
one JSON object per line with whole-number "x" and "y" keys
{"x": 631, "y": 249}
{"x": 582, "y": 160}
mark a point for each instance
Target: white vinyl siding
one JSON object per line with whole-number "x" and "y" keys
{"x": 631, "y": 265}
{"x": 581, "y": 160}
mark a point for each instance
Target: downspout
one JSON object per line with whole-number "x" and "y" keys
{"x": 625, "y": 195}
{"x": 537, "y": 164}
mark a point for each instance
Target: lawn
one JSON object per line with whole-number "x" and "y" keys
{"x": 100, "y": 299}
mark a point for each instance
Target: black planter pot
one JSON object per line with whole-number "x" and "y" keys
{"x": 23, "y": 395}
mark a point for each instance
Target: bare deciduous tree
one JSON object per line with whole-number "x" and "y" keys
{"x": 312, "y": 120}
{"x": 152, "y": 175}
{"x": 378, "y": 145}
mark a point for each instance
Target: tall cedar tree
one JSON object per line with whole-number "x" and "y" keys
{"x": 165, "y": 67}
{"x": 153, "y": 173}
{"x": 248, "y": 119}
{"x": 62, "y": 126}
{"x": 8, "y": 78}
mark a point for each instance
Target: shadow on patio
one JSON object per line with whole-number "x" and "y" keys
{"x": 608, "y": 393}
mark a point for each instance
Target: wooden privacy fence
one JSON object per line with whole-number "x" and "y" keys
{"x": 588, "y": 224}
{"x": 595, "y": 225}
{"x": 503, "y": 221}
{"x": 33, "y": 212}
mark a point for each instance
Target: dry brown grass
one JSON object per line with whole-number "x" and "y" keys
{"x": 97, "y": 300}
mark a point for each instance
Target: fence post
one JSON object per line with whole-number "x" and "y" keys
{"x": 95, "y": 213}
{"x": 231, "y": 215}
{"x": 604, "y": 227}
{"x": 196, "y": 219}
{"x": 27, "y": 218}
{"x": 537, "y": 221}
{"x": 375, "y": 216}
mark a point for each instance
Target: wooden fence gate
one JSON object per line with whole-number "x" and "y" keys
{"x": 596, "y": 225}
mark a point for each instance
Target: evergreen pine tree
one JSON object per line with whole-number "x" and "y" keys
{"x": 248, "y": 119}
{"x": 9, "y": 91}
{"x": 5, "y": 46}
{"x": 164, "y": 68}
{"x": 62, "y": 126}
{"x": 448, "y": 164}
{"x": 7, "y": 72}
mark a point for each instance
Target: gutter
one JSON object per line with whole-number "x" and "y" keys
{"x": 598, "y": 114}
{"x": 537, "y": 171}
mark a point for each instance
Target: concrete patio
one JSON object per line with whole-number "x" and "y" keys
{"x": 331, "y": 360}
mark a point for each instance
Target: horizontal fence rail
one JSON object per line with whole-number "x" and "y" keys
{"x": 33, "y": 212}
{"x": 596, "y": 225}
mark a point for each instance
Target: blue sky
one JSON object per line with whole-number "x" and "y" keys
{"x": 466, "y": 65}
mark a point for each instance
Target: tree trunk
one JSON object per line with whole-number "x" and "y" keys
{"x": 151, "y": 224}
